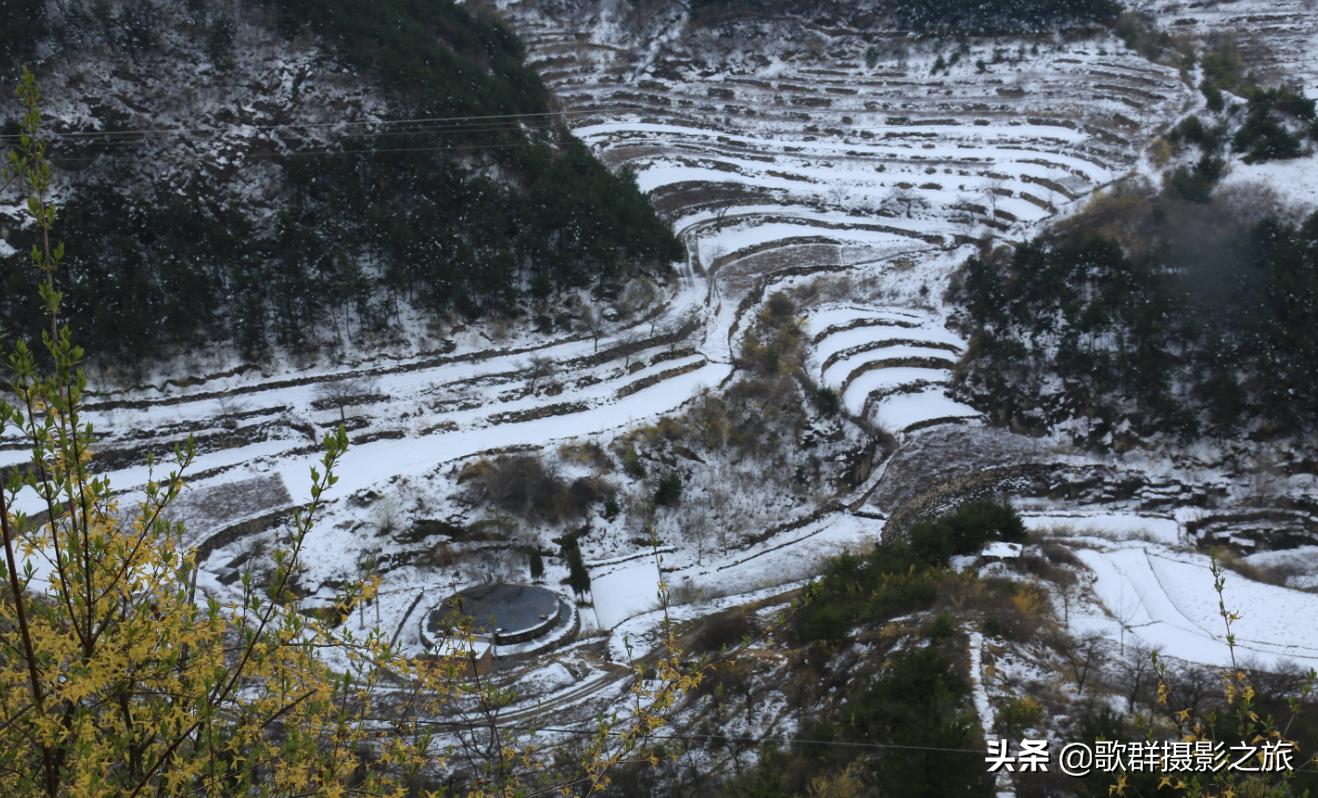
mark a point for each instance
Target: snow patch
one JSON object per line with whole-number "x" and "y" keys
{"x": 1117, "y": 525}
{"x": 903, "y": 411}
{"x": 628, "y": 591}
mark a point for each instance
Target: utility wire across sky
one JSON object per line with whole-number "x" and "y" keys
{"x": 443, "y": 123}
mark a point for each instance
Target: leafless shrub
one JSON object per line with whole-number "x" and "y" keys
{"x": 1253, "y": 201}
{"x": 1013, "y": 610}
{"x": 229, "y": 410}
{"x": 385, "y": 515}
{"x": 537, "y": 367}
{"x": 340, "y": 393}
{"x": 725, "y": 630}
{"x": 525, "y": 487}
{"x": 586, "y": 454}
{"x": 688, "y": 593}
{"x": 906, "y": 200}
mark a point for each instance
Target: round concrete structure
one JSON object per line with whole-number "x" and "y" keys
{"x": 506, "y": 613}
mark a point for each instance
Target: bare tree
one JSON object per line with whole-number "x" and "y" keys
{"x": 838, "y": 195}
{"x": 537, "y": 368}
{"x": 1137, "y": 670}
{"x": 718, "y": 506}
{"x": 712, "y": 262}
{"x": 689, "y": 318}
{"x": 695, "y": 527}
{"x": 991, "y": 193}
{"x": 627, "y": 342}
{"x": 719, "y": 214}
{"x": 341, "y": 393}
{"x": 906, "y": 198}
{"x": 1066, "y": 582}
{"x": 592, "y": 322}
{"x": 229, "y": 410}
{"x": 1082, "y": 656}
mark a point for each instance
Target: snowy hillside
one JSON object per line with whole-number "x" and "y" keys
{"x": 716, "y": 421}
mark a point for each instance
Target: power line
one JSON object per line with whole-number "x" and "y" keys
{"x": 780, "y": 740}
{"x": 130, "y": 137}
{"x": 363, "y": 151}
{"x": 744, "y": 739}
{"x": 706, "y": 738}
{"x": 454, "y": 122}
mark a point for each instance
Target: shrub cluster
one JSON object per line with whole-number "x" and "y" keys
{"x": 903, "y": 575}
{"x": 1264, "y": 133}
{"x": 919, "y": 702}
{"x": 918, "y": 696}
{"x": 999, "y": 16}
{"x": 525, "y": 487}
{"x": 1263, "y": 136}
{"x": 24, "y": 25}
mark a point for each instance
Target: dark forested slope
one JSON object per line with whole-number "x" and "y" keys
{"x": 1147, "y": 315}
{"x": 303, "y": 226}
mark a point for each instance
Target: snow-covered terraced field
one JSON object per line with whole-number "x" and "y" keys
{"x": 777, "y": 165}
{"x": 887, "y": 365}
{"x": 1166, "y": 600}
{"x": 773, "y": 164}
{"x": 789, "y": 163}
{"x": 1277, "y": 38}
{"x": 784, "y": 163}
{"x": 417, "y": 415}
{"x": 707, "y": 124}
{"x": 774, "y": 160}
{"x": 1144, "y": 589}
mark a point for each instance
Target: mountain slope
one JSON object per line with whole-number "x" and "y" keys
{"x": 289, "y": 174}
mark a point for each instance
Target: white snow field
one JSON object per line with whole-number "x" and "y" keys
{"x": 1295, "y": 180}
{"x": 628, "y": 590}
{"x": 1149, "y": 593}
